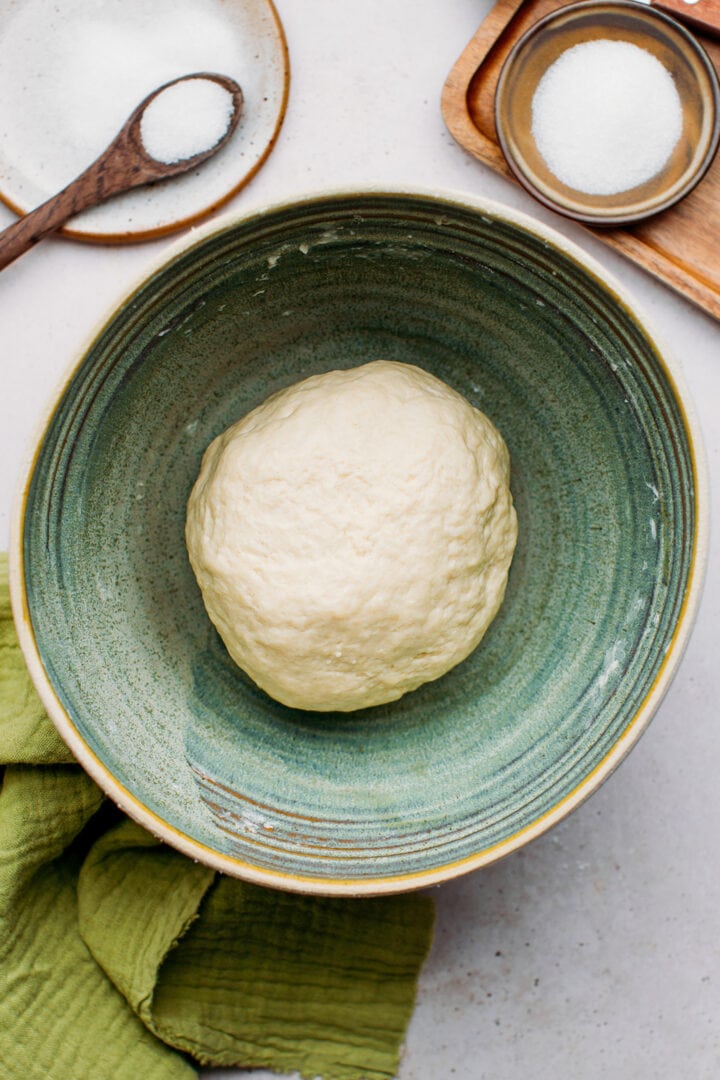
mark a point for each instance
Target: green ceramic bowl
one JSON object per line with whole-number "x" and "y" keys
{"x": 610, "y": 496}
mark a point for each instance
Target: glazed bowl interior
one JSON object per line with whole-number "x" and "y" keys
{"x": 604, "y": 477}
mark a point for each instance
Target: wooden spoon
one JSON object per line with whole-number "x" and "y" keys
{"x": 124, "y": 165}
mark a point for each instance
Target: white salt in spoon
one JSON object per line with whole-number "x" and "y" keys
{"x": 173, "y": 129}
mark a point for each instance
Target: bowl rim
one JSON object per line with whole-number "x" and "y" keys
{"x": 382, "y": 884}
{"x": 642, "y": 11}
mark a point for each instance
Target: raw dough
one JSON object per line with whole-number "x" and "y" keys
{"x": 352, "y": 535}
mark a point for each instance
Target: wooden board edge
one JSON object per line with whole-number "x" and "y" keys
{"x": 689, "y": 286}
{"x": 454, "y": 103}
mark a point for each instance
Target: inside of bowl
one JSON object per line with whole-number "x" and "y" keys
{"x": 602, "y": 477}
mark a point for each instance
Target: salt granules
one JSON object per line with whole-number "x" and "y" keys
{"x": 186, "y": 119}
{"x": 606, "y": 116}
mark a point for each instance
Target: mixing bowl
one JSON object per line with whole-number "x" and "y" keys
{"x": 608, "y": 482}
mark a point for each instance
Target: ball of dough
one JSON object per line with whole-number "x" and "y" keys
{"x": 352, "y": 535}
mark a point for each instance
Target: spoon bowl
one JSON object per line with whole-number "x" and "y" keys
{"x": 129, "y": 140}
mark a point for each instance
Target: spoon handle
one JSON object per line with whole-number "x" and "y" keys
{"x": 51, "y": 215}
{"x": 115, "y": 170}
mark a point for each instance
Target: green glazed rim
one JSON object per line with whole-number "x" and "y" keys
{"x": 420, "y": 850}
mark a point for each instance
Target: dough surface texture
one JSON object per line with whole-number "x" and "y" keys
{"x": 352, "y": 535}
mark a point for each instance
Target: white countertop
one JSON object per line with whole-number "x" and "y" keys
{"x": 595, "y": 951}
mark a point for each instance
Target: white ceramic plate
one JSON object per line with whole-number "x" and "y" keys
{"x": 72, "y": 71}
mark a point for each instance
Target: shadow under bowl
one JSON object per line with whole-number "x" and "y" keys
{"x": 602, "y": 589}
{"x": 681, "y": 55}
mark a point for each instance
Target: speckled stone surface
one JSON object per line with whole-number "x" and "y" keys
{"x": 603, "y": 479}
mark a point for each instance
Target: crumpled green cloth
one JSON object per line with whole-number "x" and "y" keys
{"x": 121, "y": 959}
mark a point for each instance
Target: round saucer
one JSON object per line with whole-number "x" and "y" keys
{"x": 71, "y": 73}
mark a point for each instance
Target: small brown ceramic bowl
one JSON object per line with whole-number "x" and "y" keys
{"x": 623, "y": 20}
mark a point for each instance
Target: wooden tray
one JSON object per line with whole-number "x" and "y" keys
{"x": 680, "y": 246}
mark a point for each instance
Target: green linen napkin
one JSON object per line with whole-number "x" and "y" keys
{"x": 121, "y": 959}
